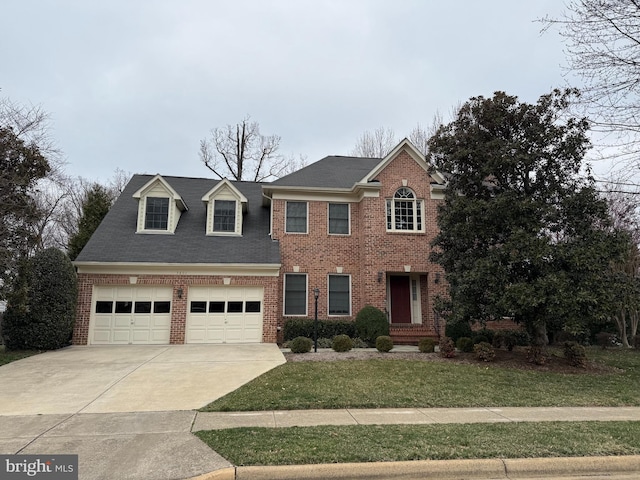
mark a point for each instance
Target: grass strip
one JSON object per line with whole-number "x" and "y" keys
{"x": 409, "y": 383}
{"x": 8, "y": 356}
{"x": 373, "y": 443}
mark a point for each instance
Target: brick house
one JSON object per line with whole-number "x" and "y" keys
{"x": 193, "y": 260}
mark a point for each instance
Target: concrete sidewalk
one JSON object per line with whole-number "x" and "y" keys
{"x": 411, "y": 416}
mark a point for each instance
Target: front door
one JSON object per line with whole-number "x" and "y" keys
{"x": 400, "y": 290}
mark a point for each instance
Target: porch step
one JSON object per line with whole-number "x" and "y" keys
{"x": 410, "y": 334}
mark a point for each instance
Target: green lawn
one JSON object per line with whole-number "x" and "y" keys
{"x": 366, "y": 443}
{"x": 11, "y": 356}
{"x": 406, "y": 383}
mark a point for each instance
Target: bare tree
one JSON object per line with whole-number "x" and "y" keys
{"x": 241, "y": 152}
{"x": 376, "y": 144}
{"x": 602, "y": 40}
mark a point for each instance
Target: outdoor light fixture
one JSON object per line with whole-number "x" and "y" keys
{"x": 437, "y": 279}
{"x": 180, "y": 292}
{"x": 379, "y": 277}
{"x": 316, "y": 294}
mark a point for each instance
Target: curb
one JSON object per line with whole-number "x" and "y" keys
{"x": 487, "y": 469}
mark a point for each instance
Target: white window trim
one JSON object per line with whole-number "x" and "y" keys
{"x": 416, "y": 201}
{"x": 284, "y": 295}
{"x": 156, "y": 231}
{"x": 350, "y": 295}
{"x": 237, "y": 232}
{"x": 348, "y": 219}
{"x": 306, "y": 232}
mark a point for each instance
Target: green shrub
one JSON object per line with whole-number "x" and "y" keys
{"x": 465, "y": 344}
{"x": 510, "y": 338}
{"x": 537, "y": 354}
{"x": 485, "y": 332}
{"x": 635, "y": 341}
{"x": 342, "y": 343}
{"x": 484, "y": 352}
{"x": 384, "y": 343}
{"x": 456, "y": 330}
{"x": 371, "y": 323}
{"x": 426, "y": 345}
{"x": 359, "y": 343}
{"x": 575, "y": 354}
{"x": 480, "y": 339}
{"x": 300, "y": 345}
{"x": 447, "y": 348}
{"x": 604, "y": 339}
{"x": 304, "y": 327}
{"x": 325, "y": 343}
{"x": 42, "y": 306}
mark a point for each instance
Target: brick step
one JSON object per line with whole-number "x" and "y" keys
{"x": 410, "y": 334}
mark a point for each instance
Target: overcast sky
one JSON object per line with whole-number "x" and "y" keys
{"x": 136, "y": 84}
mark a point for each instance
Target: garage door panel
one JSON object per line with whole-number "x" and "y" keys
{"x": 127, "y": 314}
{"x": 228, "y": 317}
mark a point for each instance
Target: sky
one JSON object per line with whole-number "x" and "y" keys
{"x": 136, "y": 84}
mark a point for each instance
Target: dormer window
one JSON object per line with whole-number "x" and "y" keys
{"x": 159, "y": 207}
{"x": 224, "y": 216}
{"x": 225, "y": 207}
{"x": 157, "y": 213}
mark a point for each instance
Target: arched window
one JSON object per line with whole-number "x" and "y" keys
{"x": 404, "y": 211}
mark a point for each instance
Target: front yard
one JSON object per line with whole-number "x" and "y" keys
{"x": 613, "y": 381}
{"x": 11, "y": 356}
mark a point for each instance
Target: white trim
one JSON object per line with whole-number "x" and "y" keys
{"x": 416, "y": 202}
{"x": 209, "y": 269}
{"x": 224, "y": 182}
{"x": 170, "y": 190}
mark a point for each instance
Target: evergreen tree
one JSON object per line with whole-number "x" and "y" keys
{"x": 94, "y": 208}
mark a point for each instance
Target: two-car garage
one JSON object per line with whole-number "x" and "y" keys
{"x": 139, "y": 314}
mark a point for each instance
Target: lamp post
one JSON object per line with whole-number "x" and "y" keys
{"x": 316, "y": 294}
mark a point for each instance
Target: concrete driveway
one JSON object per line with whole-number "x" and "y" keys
{"x": 128, "y": 378}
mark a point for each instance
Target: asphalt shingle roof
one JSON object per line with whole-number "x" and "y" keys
{"x": 330, "y": 172}
{"x": 116, "y": 239}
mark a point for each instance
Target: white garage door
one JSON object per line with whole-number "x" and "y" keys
{"x": 131, "y": 315}
{"x": 224, "y": 315}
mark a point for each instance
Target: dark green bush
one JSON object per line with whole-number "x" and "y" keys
{"x": 485, "y": 332}
{"x": 575, "y": 354}
{"x": 635, "y": 341}
{"x": 480, "y": 339}
{"x": 447, "y": 348}
{"x": 510, "y": 338}
{"x": 604, "y": 339}
{"x": 456, "y": 330}
{"x": 325, "y": 343}
{"x": 371, "y": 322}
{"x": 384, "y": 343}
{"x": 359, "y": 343}
{"x": 426, "y": 345}
{"x": 465, "y": 344}
{"x": 484, "y": 352}
{"x": 42, "y": 306}
{"x": 342, "y": 343}
{"x": 537, "y": 354}
{"x": 300, "y": 345}
{"x": 303, "y": 327}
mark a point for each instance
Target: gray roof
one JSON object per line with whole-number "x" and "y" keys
{"x": 116, "y": 240}
{"x": 330, "y": 172}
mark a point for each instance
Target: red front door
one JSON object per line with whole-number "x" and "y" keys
{"x": 400, "y": 299}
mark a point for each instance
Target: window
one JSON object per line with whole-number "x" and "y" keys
{"x": 339, "y": 218}
{"x": 157, "y": 214}
{"x": 234, "y": 307}
{"x": 295, "y": 294}
{"x": 296, "y": 217}
{"x": 142, "y": 307}
{"x": 404, "y": 211}
{"x": 104, "y": 307}
{"x": 198, "y": 307}
{"x": 216, "y": 307}
{"x": 224, "y": 216}
{"x": 123, "y": 307}
{"x": 339, "y": 295}
{"x": 252, "y": 307}
{"x": 161, "y": 307}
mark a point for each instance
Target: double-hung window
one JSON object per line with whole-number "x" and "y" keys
{"x": 339, "y": 295}
{"x": 295, "y": 294}
{"x": 404, "y": 212}
{"x": 296, "y": 217}
{"x": 157, "y": 213}
{"x": 339, "y": 218}
{"x": 224, "y": 216}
